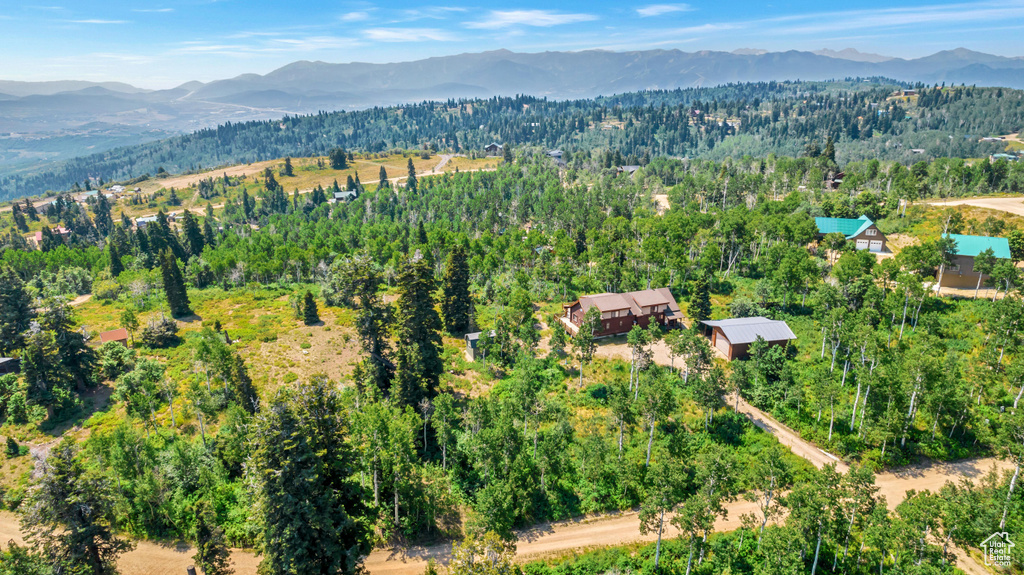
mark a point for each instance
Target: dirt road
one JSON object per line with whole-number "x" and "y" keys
{"x": 785, "y": 435}
{"x": 540, "y": 541}
{"x": 1010, "y": 205}
{"x": 445, "y": 158}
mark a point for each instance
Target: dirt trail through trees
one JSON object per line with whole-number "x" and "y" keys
{"x": 546, "y": 539}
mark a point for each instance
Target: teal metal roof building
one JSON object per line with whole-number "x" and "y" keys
{"x": 846, "y": 226}
{"x": 971, "y": 246}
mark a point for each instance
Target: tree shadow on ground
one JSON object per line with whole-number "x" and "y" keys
{"x": 92, "y": 401}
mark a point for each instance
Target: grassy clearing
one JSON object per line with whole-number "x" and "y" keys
{"x": 307, "y": 175}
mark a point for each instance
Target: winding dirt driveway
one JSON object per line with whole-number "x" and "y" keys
{"x": 1010, "y": 205}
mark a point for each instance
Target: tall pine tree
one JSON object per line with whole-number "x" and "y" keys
{"x": 208, "y": 238}
{"x": 30, "y": 210}
{"x": 76, "y": 358}
{"x": 174, "y": 285}
{"x": 700, "y": 301}
{"x": 310, "y": 314}
{"x": 71, "y": 516}
{"x": 15, "y": 310}
{"x": 410, "y": 184}
{"x": 309, "y": 507}
{"x": 247, "y": 205}
{"x": 193, "y": 234}
{"x": 338, "y": 159}
{"x": 116, "y": 267}
{"x": 455, "y": 304}
{"x": 418, "y": 333}
{"x": 101, "y": 209}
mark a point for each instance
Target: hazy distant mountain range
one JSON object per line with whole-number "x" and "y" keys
{"x": 42, "y": 121}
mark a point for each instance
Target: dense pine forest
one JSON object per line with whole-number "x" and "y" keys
{"x": 862, "y": 117}
{"x": 217, "y": 422}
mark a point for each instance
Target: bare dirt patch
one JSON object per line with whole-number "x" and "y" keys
{"x": 306, "y": 351}
{"x": 897, "y": 242}
{"x": 663, "y": 203}
{"x": 192, "y": 180}
{"x": 618, "y": 349}
{"x": 1012, "y": 138}
{"x": 80, "y": 300}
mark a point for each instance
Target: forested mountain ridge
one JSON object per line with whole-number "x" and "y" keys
{"x": 46, "y": 122}
{"x": 592, "y": 73}
{"x": 862, "y": 118}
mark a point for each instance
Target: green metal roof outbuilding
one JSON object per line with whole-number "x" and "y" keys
{"x": 973, "y": 245}
{"x": 846, "y": 226}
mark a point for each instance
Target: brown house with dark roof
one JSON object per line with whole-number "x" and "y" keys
{"x": 619, "y": 312}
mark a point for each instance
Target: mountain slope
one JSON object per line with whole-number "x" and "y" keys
{"x": 62, "y": 110}
{"x": 595, "y": 72}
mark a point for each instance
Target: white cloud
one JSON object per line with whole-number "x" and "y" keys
{"x": 98, "y": 21}
{"x": 826, "y": 24}
{"x": 429, "y": 13}
{"x": 311, "y": 43}
{"x": 706, "y": 29}
{"x": 118, "y": 57}
{"x": 355, "y": 16}
{"x": 902, "y": 17}
{"x": 662, "y": 9}
{"x": 498, "y": 19}
{"x": 253, "y": 34}
{"x": 153, "y": 10}
{"x": 268, "y": 46}
{"x": 408, "y": 35}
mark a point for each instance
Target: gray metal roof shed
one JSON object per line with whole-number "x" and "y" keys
{"x": 747, "y": 329}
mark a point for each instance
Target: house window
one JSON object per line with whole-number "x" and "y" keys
{"x": 954, "y": 268}
{"x": 871, "y": 232}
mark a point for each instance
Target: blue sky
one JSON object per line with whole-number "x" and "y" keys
{"x": 162, "y": 43}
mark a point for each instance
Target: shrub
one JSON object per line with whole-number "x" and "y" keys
{"x": 743, "y": 307}
{"x": 13, "y": 449}
{"x": 17, "y": 407}
{"x": 598, "y": 392}
{"x": 115, "y": 360}
{"x": 310, "y": 314}
{"x": 8, "y": 385}
{"x": 74, "y": 280}
{"x": 106, "y": 290}
{"x": 161, "y": 333}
